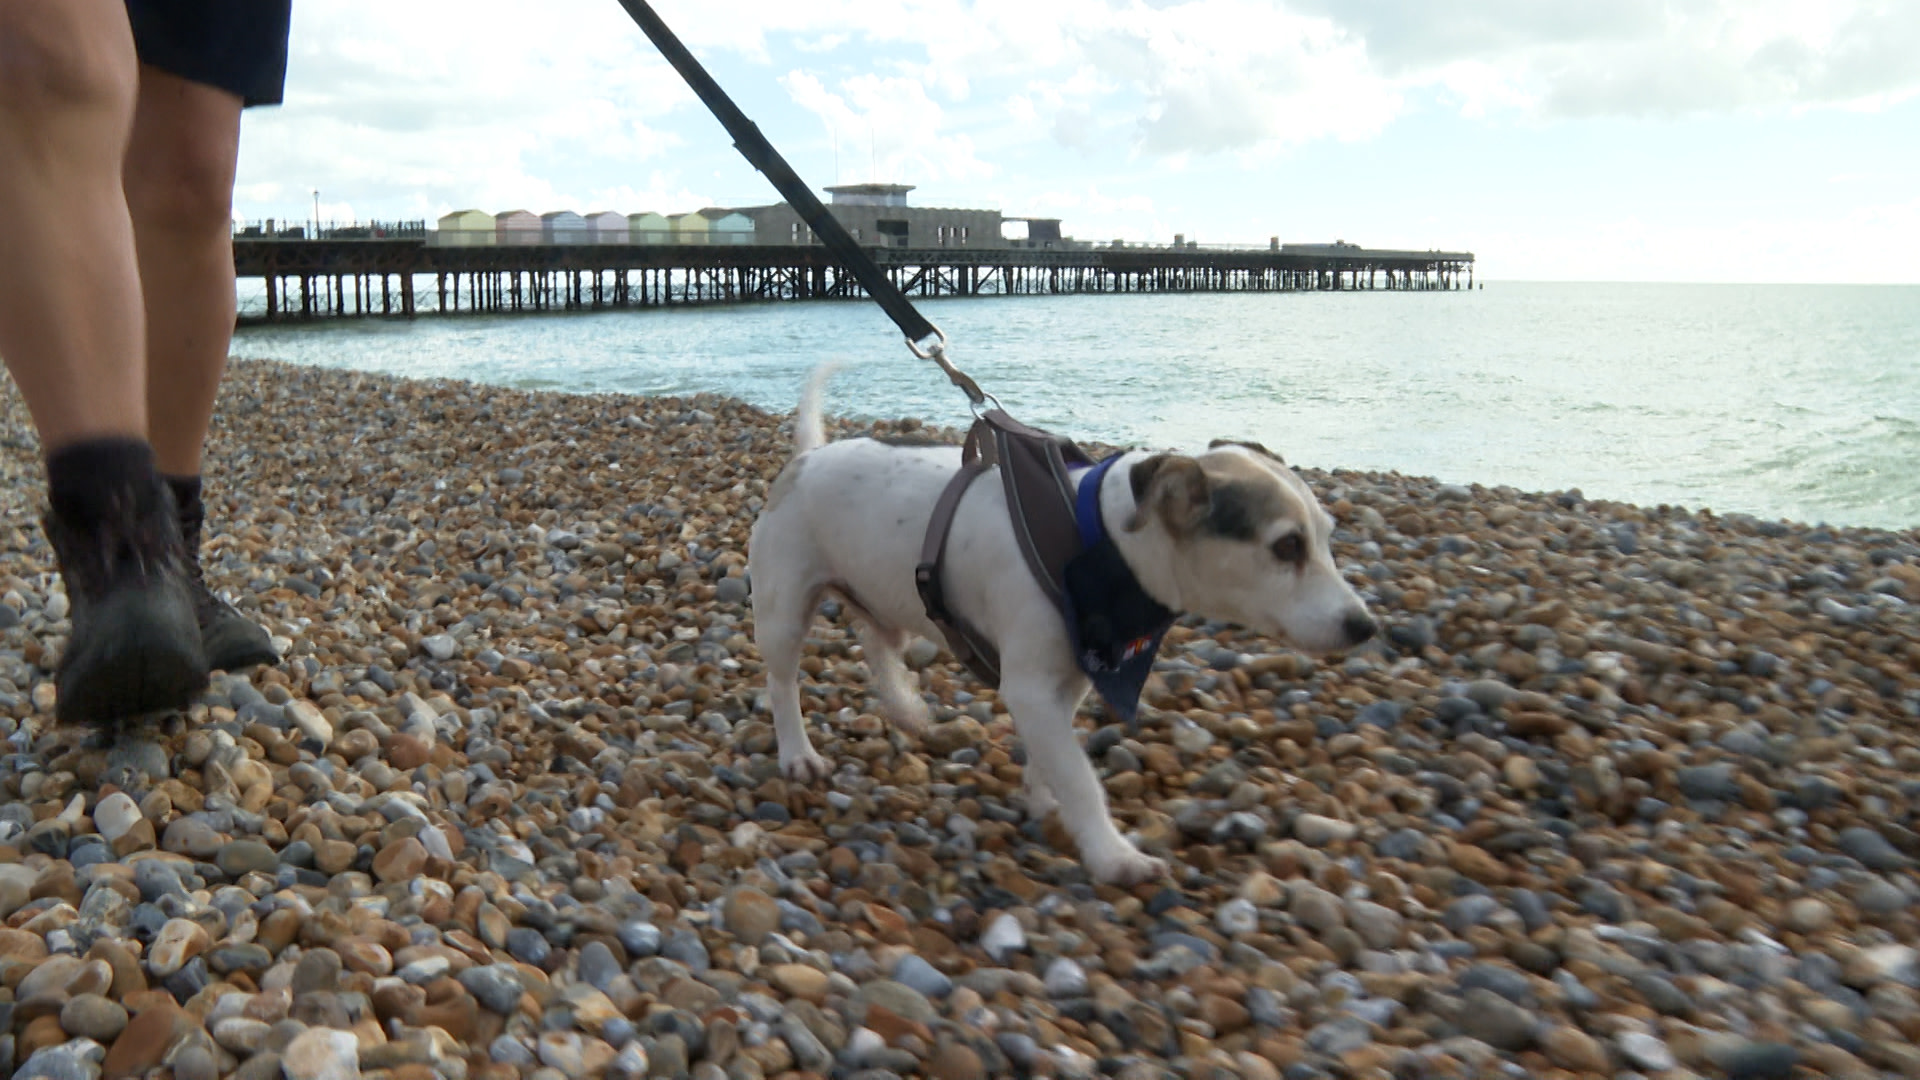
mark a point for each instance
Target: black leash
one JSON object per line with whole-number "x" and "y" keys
{"x": 761, "y": 155}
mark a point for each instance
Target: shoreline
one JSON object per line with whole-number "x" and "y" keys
{"x": 1622, "y": 789}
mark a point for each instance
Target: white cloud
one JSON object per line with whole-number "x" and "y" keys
{"x": 421, "y": 105}
{"x": 1573, "y": 58}
{"x": 903, "y": 132}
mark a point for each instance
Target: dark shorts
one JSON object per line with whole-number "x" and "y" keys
{"x": 239, "y": 46}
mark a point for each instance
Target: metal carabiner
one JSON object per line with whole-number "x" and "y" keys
{"x": 937, "y": 352}
{"x": 934, "y": 352}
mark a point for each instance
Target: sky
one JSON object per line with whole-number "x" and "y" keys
{"x": 1572, "y": 140}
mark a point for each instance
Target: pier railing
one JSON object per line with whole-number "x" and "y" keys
{"x": 356, "y": 275}
{"x": 275, "y": 229}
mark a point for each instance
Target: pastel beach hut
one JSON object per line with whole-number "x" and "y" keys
{"x": 563, "y": 227}
{"x": 727, "y": 226}
{"x": 649, "y": 228}
{"x": 688, "y": 228}
{"x": 513, "y": 228}
{"x": 606, "y": 227}
{"x": 465, "y": 228}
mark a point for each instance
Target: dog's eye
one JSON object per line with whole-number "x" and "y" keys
{"x": 1290, "y": 548}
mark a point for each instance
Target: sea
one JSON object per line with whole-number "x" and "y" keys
{"x": 1789, "y": 402}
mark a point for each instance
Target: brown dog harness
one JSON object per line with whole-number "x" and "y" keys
{"x": 1034, "y": 468}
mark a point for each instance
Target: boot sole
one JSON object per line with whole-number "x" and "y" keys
{"x": 234, "y": 643}
{"x": 241, "y": 659}
{"x": 142, "y": 656}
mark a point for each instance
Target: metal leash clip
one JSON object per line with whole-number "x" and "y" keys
{"x": 937, "y": 352}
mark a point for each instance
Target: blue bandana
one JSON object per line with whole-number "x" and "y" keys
{"x": 1115, "y": 627}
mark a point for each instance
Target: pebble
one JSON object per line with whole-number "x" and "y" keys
{"x": 528, "y": 945}
{"x": 1571, "y": 1048}
{"x": 116, "y": 815}
{"x": 1340, "y": 1036}
{"x": 1496, "y": 1021}
{"x": 1871, "y": 848}
{"x": 1065, "y": 979}
{"x": 1379, "y": 926}
{"x": 751, "y": 915}
{"x": 1316, "y": 831}
{"x": 79, "y": 1059}
{"x": 94, "y": 1017}
{"x": 1004, "y": 937}
{"x": 1237, "y": 916}
{"x": 1645, "y": 1051}
{"x": 1746, "y": 1060}
{"x": 640, "y": 939}
{"x": 1809, "y": 915}
{"x": 922, "y": 976}
{"x": 800, "y": 981}
{"x": 322, "y": 1054}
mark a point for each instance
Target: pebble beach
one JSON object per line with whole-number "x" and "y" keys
{"x": 1622, "y": 791}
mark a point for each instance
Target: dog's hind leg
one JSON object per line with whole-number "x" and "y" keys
{"x": 895, "y": 686}
{"x": 781, "y": 615}
{"x": 1042, "y": 705}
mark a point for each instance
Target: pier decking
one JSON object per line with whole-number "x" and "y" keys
{"x": 308, "y": 279}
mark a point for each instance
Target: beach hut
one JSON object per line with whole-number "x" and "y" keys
{"x": 688, "y": 228}
{"x": 727, "y": 226}
{"x": 606, "y": 227}
{"x": 649, "y": 228}
{"x": 465, "y": 228}
{"x": 516, "y": 227}
{"x": 563, "y": 227}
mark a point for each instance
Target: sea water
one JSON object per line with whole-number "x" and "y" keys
{"x": 1798, "y": 402}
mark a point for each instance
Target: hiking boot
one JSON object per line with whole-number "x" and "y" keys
{"x": 232, "y": 641}
{"x": 134, "y": 647}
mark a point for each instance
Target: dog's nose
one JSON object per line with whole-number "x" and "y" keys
{"x": 1359, "y": 627}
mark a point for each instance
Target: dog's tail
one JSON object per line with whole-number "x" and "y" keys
{"x": 808, "y": 432}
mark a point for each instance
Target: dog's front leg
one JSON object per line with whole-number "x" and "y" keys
{"x": 1042, "y": 705}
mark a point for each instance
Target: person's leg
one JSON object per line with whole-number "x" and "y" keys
{"x": 70, "y": 312}
{"x": 71, "y": 333}
{"x": 178, "y": 180}
{"x": 179, "y": 188}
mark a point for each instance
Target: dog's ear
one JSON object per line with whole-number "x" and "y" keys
{"x": 1172, "y": 486}
{"x": 1249, "y": 444}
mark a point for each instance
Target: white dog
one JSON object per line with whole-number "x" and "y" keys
{"x": 1229, "y": 534}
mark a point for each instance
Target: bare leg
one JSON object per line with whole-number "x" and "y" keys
{"x": 179, "y": 189}
{"x": 70, "y": 313}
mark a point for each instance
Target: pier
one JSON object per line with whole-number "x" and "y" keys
{"x": 412, "y": 275}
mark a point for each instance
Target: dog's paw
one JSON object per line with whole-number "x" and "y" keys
{"x": 1129, "y": 866}
{"x": 806, "y": 767}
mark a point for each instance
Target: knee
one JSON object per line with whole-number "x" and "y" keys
{"x": 185, "y": 185}
{"x": 61, "y": 58}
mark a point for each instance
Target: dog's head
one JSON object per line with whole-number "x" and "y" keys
{"x": 1249, "y": 544}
